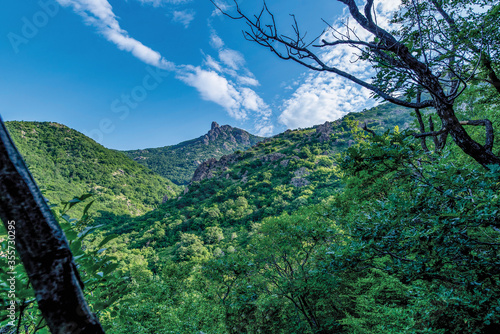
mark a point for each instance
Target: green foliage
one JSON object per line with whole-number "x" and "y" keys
{"x": 432, "y": 223}
{"x": 170, "y": 302}
{"x": 65, "y": 162}
{"x": 190, "y": 248}
{"x": 282, "y": 280}
{"x": 178, "y": 162}
{"x": 322, "y": 230}
{"x": 214, "y": 235}
{"x": 104, "y": 285}
{"x": 298, "y": 171}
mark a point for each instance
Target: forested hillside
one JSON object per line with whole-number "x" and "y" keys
{"x": 178, "y": 162}
{"x": 322, "y": 230}
{"x": 67, "y": 164}
{"x": 279, "y": 174}
{"x": 330, "y": 229}
{"x": 385, "y": 221}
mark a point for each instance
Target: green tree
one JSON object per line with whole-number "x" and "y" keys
{"x": 190, "y": 248}
{"x": 104, "y": 285}
{"x": 214, "y": 235}
{"x": 277, "y": 283}
{"x": 405, "y": 62}
{"x": 430, "y": 223}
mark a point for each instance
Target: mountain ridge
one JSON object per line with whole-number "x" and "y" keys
{"x": 372, "y": 118}
{"x": 178, "y": 162}
{"x": 279, "y": 174}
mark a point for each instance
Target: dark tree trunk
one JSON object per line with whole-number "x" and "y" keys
{"x": 442, "y": 103}
{"x": 42, "y": 246}
{"x": 494, "y": 80}
{"x": 469, "y": 146}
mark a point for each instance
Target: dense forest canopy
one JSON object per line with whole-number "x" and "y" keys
{"x": 374, "y": 223}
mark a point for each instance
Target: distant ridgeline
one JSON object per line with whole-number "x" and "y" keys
{"x": 178, "y": 162}
{"x": 66, "y": 163}
{"x": 279, "y": 174}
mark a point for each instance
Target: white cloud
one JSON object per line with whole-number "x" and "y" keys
{"x": 386, "y": 6}
{"x": 215, "y": 41}
{"x": 212, "y": 63}
{"x": 238, "y": 101}
{"x": 230, "y": 62}
{"x": 222, "y": 5}
{"x": 321, "y": 98}
{"x": 252, "y": 101}
{"x": 248, "y": 81}
{"x": 157, "y": 3}
{"x": 226, "y": 81}
{"x": 99, "y": 14}
{"x": 232, "y": 58}
{"x": 215, "y": 88}
{"x": 325, "y": 96}
{"x": 264, "y": 129}
{"x": 183, "y": 17}
{"x": 231, "y": 94}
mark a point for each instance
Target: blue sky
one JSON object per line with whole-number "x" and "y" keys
{"x": 148, "y": 73}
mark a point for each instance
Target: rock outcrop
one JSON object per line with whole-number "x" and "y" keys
{"x": 324, "y": 130}
{"x": 299, "y": 182}
{"x": 208, "y": 169}
{"x": 272, "y": 157}
{"x": 226, "y": 133}
{"x": 205, "y": 170}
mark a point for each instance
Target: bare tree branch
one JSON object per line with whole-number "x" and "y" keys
{"x": 432, "y": 133}
{"x": 398, "y": 68}
{"x": 490, "y": 135}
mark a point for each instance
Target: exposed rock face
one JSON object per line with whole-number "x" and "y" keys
{"x": 207, "y": 169}
{"x": 302, "y": 171}
{"x": 272, "y": 157}
{"x": 324, "y": 131}
{"x": 284, "y": 163}
{"x": 179, "y": 162}
{"x": 165, "y": 198}
{"x": 227, "y": 133}
{"x": 299, "y": 182}
{"x": 118, "y": 172}
{"x": 204, "y": 170}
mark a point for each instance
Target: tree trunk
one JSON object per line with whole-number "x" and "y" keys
{"x": 494, "y": 80}
{"x": 468, "y": 145}
{"x": 442, "y": 104}
{"x": 42, "y": 246}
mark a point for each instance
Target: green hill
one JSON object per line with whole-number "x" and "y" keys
{"x": 66, "y": 163}
{"x": 279, "y": 174}
{"x": 200, "y": 256}
{"x": 178, "y": 162}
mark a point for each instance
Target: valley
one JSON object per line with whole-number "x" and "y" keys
{"x": 263, "y": 234}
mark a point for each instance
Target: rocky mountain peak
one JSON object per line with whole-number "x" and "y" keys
{"x": 228, "y": 134}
